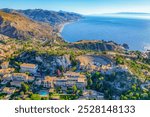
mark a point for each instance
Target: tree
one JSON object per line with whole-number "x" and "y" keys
{"x": 73, "y": 59}
{"x": 134, "y": 87}
{"x": 74, "y": 88}
{"x": 35, "y": 97}
{"x": 96, "y": 75}
{"x": 90, "y": 82}
{"x": 80, "y": 92}
{"x": 119, "y": 60}
{"x": 123, "y": 97}
{"x": 58, "y": 89}
{"x": 25, "y": 87}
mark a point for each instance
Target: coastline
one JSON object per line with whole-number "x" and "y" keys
{"x": 61, "y": 26}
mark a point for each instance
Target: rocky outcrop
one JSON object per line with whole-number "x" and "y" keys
{"x": 63, "y": 61}
{"x": 125, "y": 46}
{"x": 46, "y": 62}
{"x": 96, "y": 45}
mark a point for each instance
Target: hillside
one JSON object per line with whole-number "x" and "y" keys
{"x": 52, "y": 17}
{"x": 96, "y": 45}
{"x": 17, "y": 26}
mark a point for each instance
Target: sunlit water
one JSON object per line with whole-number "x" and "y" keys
{"x": 133, "y": 31}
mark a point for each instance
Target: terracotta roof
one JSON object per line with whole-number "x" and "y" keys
{"x": 5, "y": 63}
{"x": 71, "y": 73}
{"x": 7, "y": 76}
{"x": 30, "y": 78}
{"x": 49, "y": 79}
{"x": 20, "y": 74}
{"x": 6, "y": 71}
{"x": 9, "y": 90}
{"x": 81, "y": 79}
{"x": 28, "y": 65}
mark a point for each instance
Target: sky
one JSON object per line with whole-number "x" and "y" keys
{"x": 81, "y": 6}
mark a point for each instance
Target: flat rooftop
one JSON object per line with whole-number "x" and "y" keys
{"x": 28, "y": 65}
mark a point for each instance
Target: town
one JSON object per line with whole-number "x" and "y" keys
{"x": 64, "y": 82}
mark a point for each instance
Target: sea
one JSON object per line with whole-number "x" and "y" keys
{"x": 133, "y": 31}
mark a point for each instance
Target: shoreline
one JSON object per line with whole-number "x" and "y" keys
{"x": 60, "y": 27}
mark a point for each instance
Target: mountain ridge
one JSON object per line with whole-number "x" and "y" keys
{"x": 17, "y": 26}
{"x": 52, "y": 17}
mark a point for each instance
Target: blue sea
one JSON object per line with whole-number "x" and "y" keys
{"x": 133, "y": 31}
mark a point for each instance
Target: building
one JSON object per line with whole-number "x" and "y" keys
{"x": 70, "y": 74}
{"x": 38, "y": 82}
{"x": 22, "y": 77}
{"x": 75, "y": 78}
{"x": 61, "y": 82}
{"x": 6, "y": 71}
{"x": 5, "y": 65}
{"x": 92, "y": 94}
{"x": 7, "y": 77}
{"x": 19, "y": 77}
{"x": 31, "y": 68}
{"x": 49, "y": 81}
{"x": 16, "y": 83}
{"x": 9, "y": 90}
{"x": 81, "y": 82}
{"x": 69, "y": 79}
{"x": 31, "y": 79}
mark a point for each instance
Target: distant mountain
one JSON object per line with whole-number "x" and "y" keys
{"x": 133, "y": 13}
{"x": 17, "y": 26}
{"x": 52, "y": 17}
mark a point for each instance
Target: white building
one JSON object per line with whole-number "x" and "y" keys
{"x": 31, "y": 68}
{"x": 69, "y": 79}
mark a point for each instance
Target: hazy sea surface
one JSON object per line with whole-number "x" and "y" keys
{"x": 133, "y": 31}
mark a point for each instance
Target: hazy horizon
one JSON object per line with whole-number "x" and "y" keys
{"x": 85, "y": 7}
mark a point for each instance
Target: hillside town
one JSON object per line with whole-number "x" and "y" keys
{"x": 63, "y": 80}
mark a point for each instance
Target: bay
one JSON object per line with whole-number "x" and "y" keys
{"x": 133, "y": 31}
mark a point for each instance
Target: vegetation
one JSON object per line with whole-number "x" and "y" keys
{"x": 136, "y": 93}
{"x": 35, "y": 97}
{"x": 25, "y": 87}
{"x": 2, "y": 95}
{"x": 97, "y": 81}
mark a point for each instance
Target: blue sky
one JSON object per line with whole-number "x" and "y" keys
{"x": 81, "y": 6}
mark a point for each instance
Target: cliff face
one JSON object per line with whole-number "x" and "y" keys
{"x": 96, "y": 45}
{"x": 48, "y": 63}
{"x": 52, "y": 17}
{"x": 17, "y": 26}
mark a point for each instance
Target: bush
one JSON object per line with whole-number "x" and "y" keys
{"x": 35, "y": 97}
